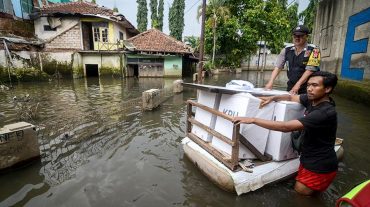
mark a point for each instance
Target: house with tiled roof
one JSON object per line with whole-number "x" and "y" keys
{"x": 83, "y": 39}
{"x": 83, "y": 34}
{"x": 155, "y": 54}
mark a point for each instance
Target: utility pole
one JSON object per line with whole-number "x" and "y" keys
{"x": 201, "y": 45}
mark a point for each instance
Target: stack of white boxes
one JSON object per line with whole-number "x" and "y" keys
{"x": 275, "y": 143}
{"x": 279, "y": 144}
{"x": 212, "y": 101}
{"x": 245, "y": 105}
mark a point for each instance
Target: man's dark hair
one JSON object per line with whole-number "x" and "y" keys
{"x": 330, "y": 79}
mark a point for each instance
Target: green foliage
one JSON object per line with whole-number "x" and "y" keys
{"x": 115, "y": 9}
{"x": 176, "y": 19}
{"x": 246, "y": 22}
{"x": 160, "y": 15}
{"x": 193, "y": 42}
{"x": 208, "y": 65}
{"x": 153, "y": 9}
{"x": 142, "y": 15}
{"x": 292, "y": 15}
{"x": 157, "y": 15}
{"x": 58, "y": 69}
{"x": 93, "y": 1}
{"x": 219, "y": 12}
{"x": 308, "y": 15}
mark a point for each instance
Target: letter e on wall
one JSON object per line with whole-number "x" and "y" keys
{"x": 353, "y": 46}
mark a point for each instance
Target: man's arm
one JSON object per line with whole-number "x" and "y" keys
{"x": 274, "y": 74}
{"x": 280, "y": 62}
{"x": 269, "y": 99}
{"x": 301, "y": 81}
{"x": 283, "y": 126}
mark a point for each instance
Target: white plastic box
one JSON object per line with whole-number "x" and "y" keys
{"x": 242, "y": 104}
{"x": 279, "y": 144}
{"x": 212, "y": 100}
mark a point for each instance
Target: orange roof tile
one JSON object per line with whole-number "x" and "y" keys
{"x": 85, "y": 8}
{"x": 157, "y": 41}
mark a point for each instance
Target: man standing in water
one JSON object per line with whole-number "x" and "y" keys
{"x": 318, "y": 159}
{"x": 303, "y": 59}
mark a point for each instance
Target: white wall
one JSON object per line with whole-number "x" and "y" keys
{"x": 60, "y": 56}
{"x": 119, "y": 28}
{"x": 270, "y": 61}
{"x": 67, "y": 23}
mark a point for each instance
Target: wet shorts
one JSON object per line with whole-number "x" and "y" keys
{"x": 315, "y": 181}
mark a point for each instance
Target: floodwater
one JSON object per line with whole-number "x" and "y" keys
{"x": 98, "y": 148}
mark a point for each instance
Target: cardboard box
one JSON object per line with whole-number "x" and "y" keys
{"x": 279, "y": 144}
{"x": 211, "y": 100}
{"x": 257, "y": 135}
{"x": 243, "y": 104}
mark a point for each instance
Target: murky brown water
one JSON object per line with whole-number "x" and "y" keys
{"x": 114, "y": 154}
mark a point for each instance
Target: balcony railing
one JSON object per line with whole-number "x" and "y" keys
{"x": 109, "y": 46}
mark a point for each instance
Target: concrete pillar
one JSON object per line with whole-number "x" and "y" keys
{"x": 195, "y": 77}
{"x": 177, "y": 86}
{"x": 151, "y": 99}
{"x": 18, "y": 144}
{"x": 77, "y": 66}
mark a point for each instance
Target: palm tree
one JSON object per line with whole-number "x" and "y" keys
{"x": 219, "y": 11}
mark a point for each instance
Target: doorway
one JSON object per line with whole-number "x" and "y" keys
{"x": 92, "y": 70}
{"x": 136, "y": 70}
{"x": 87, "y": 36}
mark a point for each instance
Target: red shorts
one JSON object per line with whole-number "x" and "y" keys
{"x": 315, "y": 181}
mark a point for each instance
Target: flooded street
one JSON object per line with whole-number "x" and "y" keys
{"x": 99, "y": 148}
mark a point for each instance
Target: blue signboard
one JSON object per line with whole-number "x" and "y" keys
{"x": 354, "y": 47}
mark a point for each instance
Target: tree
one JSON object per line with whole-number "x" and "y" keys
{"x": 115, "y": 9}
{"x": 249, "y": 22}
{"x": 160, "y": 14}
{"x": 292, "y": 15}
{"x": 194, "y": 42}
{"x": 142, "y": 15}
{"x": 219, "y": 13}
{"x": 93, "y": 1}
{"x": 308, "y": 15}
{"x": 153, "y": 9}
{"x": 176, "y": 19}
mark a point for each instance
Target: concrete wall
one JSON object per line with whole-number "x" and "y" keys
{"x": 270, "y": 62}
{"x": 46, "y": 35}
{"x": 342, "y": 30}
{"x": 70, "y": 40}
{"x": 173, "y": 66}
{"x": 108, "y": 64}
{"x": 67, "y": 35}
{"x": 118, "y": 28}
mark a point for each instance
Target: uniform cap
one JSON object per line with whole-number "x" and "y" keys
{"x": 300, "y": 30}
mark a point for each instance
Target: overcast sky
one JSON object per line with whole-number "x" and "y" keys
{"x": 192, "y": 27}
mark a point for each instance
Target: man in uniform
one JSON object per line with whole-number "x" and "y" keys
{"x": 302, "y": 58}
{"x": 318, "y": 159}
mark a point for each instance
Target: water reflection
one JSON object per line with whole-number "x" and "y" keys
{"x": 99, "y": 148}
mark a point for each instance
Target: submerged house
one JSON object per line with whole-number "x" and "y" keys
{"x": 155, "y": 54}
{"x": 85, "y": 36}
{"x": 82, "y": 39}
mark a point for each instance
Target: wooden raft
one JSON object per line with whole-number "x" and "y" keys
{"x": 232, "y": 161}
